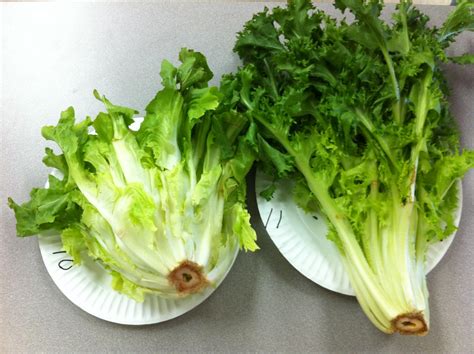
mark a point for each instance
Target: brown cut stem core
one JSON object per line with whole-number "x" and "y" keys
{"x": 410, "y": 323}
{"x": 188, "y": 278}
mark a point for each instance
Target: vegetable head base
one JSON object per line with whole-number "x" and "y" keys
{"x": 357, "y": 114}
{"x": 162, "y": 208}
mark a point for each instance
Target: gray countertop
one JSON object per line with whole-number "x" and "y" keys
{"x": 54, "y": 55}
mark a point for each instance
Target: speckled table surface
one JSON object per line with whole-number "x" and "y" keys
{"x": 53, "y": 56}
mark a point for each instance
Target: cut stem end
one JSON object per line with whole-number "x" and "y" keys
{"x": 188, "y": 278}
{"x": 410, "y": 323}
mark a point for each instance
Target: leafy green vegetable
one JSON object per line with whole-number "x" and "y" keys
{"x": 162, "y": 208}
{"x": 358, "y": 115}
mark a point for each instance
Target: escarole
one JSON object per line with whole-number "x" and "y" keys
{"x": 161, "y": 208}
{"x": 358, "y": 115}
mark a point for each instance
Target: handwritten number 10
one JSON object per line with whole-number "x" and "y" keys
{"x": 64, "y": 264}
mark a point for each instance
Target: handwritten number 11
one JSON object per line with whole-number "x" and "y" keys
{"x": 270, "y": 215}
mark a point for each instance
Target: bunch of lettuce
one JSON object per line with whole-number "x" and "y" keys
{"x": 358, "y": 115}
{"x": 162, "y": 208}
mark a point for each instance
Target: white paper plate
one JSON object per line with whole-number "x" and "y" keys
{"x": 301, "y": 238}
{"x": 89, "y": 286}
